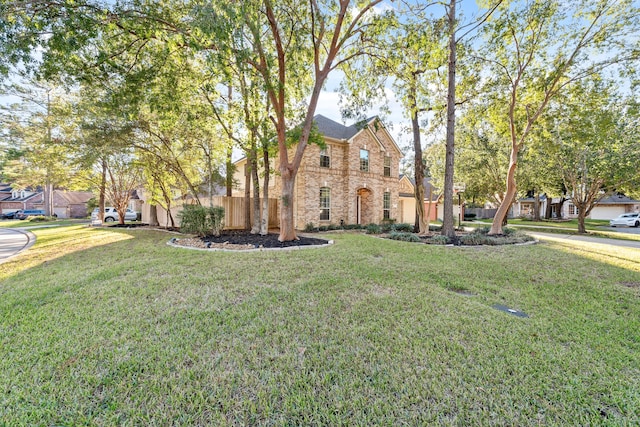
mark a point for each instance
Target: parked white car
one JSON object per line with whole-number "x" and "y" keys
{"x": 628, "y": 219}
{"x": 111, "y": 214}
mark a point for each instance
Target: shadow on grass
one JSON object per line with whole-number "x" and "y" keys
{"x": 365, "y": 332}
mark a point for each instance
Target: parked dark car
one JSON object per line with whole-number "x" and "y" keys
{"x": 9, "y": 215}
{"x": 28, "y": 212}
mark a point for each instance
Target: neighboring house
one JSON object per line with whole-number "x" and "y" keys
{"x": 432, "y": 197}
{"x": 5, "y": 190}
{"x": 606, "y": 208}
{"x": 352, "y": 180}
{"x": 21, "y": 199}
{"x": 71, "y": 204}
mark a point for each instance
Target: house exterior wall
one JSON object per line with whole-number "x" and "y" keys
{"x": 607, "y": 212}
{"x": 407, "y": 210}
{"x": 355, "y": 195}
{"x": 11, "y": 206}
{"x": 350, "y": 188}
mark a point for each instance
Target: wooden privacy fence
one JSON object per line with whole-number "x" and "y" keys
{"x": 234, "y": 211}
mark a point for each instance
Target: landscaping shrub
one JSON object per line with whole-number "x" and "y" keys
{"x": 310, "y": 227}
{"x": 373, "y": 229}
{"x": 507, "y": 231}
{"x": 353, "y": 227}
{"x": 405, "y": 237}
{"x": 403, "y": 227}
{"x": 439, "y": 240}
{"x": 469, "y": 215}
{"x": 482, "y": 230}
{"x": 202, "y": 220}
{"x": 40, "y": 218}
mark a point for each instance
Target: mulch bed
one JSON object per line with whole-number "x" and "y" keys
{"x": 243, "y": 240}
{"x": 256, "y": 240}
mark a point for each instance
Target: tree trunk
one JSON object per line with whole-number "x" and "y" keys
{"x": 229, "y": 177}
{"x": 255, "y": 227}
{"x": 264, "y": 222}
{"x": 247, "y": 196}
{"x": 448, "y": 227}
{"x": 581, "y": 227}
{"x": 153, "y": 216}
{"x": 559, "y": 207}
{"x": 103, "y": 190}
{"x": 287, "y": 227}
{"x": 536, "y": 207}
{"x": 549, "y": 208}
{"x": 418, "y": 160}
{"x": 501, "y": 215}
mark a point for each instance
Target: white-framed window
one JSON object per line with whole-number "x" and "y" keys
{"x": 572, "y": 209}
{"x": 387, "y": 165}
{"x": 325, "y": 203}
{"x": 386, "y": 205}
{"x": 325, "y": 159}
{"x": 364, "y": 160}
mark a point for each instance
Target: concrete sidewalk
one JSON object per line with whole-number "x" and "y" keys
{"x": 595, "y": 240}
{"x": 13, "y": 241}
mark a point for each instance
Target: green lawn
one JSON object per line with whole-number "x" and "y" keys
{"x": 114, "y": 327}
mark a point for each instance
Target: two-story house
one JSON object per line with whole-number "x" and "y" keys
{"x": 353, "y": 179}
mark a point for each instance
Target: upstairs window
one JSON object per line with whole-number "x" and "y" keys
{"x": 387, "y": 166}
{"x": 325, "y": 160}
{"x": 364, "y": 160}
{"x": 325, "y": 203}
{"x": 386, "y": 205}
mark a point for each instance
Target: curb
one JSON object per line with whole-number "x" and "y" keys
{"x": 31, "y": 240}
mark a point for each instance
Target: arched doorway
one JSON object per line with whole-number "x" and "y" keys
{"x": 364, "y": 206}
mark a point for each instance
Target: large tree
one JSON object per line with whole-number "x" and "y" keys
{"x": 285, "y": 35}
{"x": 594, "y": 144}
{"x": 410, "y": 53}
{"x": 537, "y": 49}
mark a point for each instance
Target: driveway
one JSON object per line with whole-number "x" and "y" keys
{"x": 614, "y": 242}
{"x": 14, "y": 241}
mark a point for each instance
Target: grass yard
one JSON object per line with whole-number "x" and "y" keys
{"x": 113, "y": 327}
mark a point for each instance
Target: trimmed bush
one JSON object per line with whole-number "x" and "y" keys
{"x": 310, "y": 227}
{"x": 405, "y": 237}
{"x": 373, "y": 229}
{"x": 439, "y": 240}
{"x": 202, "y": 220}
{"x": 403, "y": 227}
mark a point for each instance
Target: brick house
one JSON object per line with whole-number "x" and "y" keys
{"x": 21, "y": 199}
{"x": 71, "y": 204}
{"x": 353, "y": 180}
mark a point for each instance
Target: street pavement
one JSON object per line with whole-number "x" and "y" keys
{"x": 14, "y": 241}
{"x": 575, "y": 237}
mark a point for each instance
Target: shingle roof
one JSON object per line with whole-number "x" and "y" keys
{"x": 332, "y": 129}
{"x": 618, "y": 199}
{"x": 76, "y": 197}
